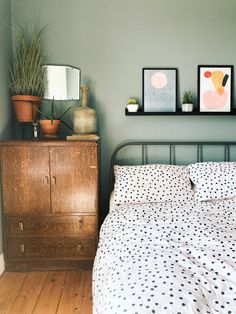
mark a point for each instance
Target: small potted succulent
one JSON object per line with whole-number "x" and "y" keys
{"x": 187, "y": 105}
{"x": 50, "y": 125}
{"x": 132, "y": 105}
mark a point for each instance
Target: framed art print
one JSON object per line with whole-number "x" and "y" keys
{"x": 159, "y": 89}
{"x": 215, "y": 88}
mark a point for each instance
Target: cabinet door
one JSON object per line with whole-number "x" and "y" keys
{"x": 25, "y": 177}
{"x": 74, "y": 173}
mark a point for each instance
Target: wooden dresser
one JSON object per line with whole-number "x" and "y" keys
{"x": 50, "y": 204}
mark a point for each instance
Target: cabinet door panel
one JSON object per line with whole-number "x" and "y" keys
{"x": 74, "y": 176}
{"x": 26, "y": 184}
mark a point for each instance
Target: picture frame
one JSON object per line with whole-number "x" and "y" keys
{"x": 159, "y": 89}
{"x": 215, "y": 87}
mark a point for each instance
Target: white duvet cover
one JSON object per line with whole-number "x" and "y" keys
{"x": 167, "y": 258}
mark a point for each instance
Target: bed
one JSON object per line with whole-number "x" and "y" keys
{"x": 159, "y": 253}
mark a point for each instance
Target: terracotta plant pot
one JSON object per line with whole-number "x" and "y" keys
{"x": 23, "y": 106}
{"x": 50, "y": 128}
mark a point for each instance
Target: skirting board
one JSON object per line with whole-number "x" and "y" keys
{"x": 2, "y": 264}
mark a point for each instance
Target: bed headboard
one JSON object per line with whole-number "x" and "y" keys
{"x": 200, "y": 149}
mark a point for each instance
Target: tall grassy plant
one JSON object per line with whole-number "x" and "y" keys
{"x": 26, "y": 74}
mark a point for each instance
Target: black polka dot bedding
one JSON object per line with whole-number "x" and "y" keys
{"x": 176, "y": 256}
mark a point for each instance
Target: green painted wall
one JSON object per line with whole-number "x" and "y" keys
{"x": 112, "y": 40}
{"x": 6, "y": 125}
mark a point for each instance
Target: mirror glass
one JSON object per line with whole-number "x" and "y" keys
{"x": 63, "y": 82}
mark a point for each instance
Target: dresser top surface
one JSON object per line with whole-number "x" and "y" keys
{"x": 58, "y": 142}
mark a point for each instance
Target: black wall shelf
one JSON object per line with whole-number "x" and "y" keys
{"x": 180, "y": 113}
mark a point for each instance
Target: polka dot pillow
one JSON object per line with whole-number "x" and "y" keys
{"x": 151, "y": 183}
{"x": 213, "y": 180}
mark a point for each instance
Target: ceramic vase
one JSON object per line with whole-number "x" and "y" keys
{"x": 85, "y": 118}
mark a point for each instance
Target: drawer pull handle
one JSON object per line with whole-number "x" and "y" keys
{"x": 21, "y": 226}
{"x": 54, "y": 180}
{"x": 79, "y": 247}
{"x": 46, "y": 179}
{"x": 80, "y": 224}
{"x": 93, "y": 167}
{"x": 22, "y": 248}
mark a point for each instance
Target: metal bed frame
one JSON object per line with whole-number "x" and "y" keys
{"x": 226, "y": 145}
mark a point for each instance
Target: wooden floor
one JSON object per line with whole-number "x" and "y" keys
{"x": 49, "y": 292}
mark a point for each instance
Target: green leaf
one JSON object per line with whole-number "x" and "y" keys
{"x": 62, "y": 115}
{"x": 26, "y": 73}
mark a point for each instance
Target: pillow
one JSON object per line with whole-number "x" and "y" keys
{"x": 151, "y": 183}
{"x": 213, "y": 180}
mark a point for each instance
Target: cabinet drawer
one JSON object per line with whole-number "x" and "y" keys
{"x": 50, "y": 225}
{"x": 15, "y": 248}
{"x": 59, "y": 247}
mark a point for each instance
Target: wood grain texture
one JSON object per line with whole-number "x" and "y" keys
{"x": 25, "y": 265}
{"x": 23, "y": 225}
{"x": 15, "y": 248}
{"x": 46, "y": 292}
{"x": 76, "y": 296}
{"x": 10, "y": 286}
{"x": 53, "y": 247}
{"x": 87, "y": 293}
{"x": 50, "y": 294}
{"x": 28, "y": 294}
{"x": 74, "y": 174}
{"x": 49, "y": 142}
{"x": 50, "y": 198}
{"x": 25, "y": 187}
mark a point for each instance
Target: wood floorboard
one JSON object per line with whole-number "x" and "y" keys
{"x": 71, "y": 300}
{"x": 11, "y": 284}
{"x": 28, "y": 295}
{"x": 87, "y": 293}
{"x": 54, "y": 292}
{"x": 50, "y": 294}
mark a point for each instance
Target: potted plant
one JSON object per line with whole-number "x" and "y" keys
{"x": 50, "y": 125}
{"x": 187, "y": 105}
{"x": 132, "y": 105}
{"x": 27, "y": 80}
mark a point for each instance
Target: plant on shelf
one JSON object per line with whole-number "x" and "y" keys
{"x": 27, "y": 80}
{"x": 187, "y": 97}
{"x": 132, "y": 105}
{"x": 50, "y": 125}
{"x": 187, "y": 105}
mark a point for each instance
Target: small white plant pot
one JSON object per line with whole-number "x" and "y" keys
{"x": 187, "y": 107}
{"x": 132, "y": 107}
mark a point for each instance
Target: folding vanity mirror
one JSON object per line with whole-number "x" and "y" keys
{"x": 63, "y": 82}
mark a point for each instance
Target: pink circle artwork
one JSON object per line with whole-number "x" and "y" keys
{"x": 214, "y": 100}
{"x": 159, "y": 80}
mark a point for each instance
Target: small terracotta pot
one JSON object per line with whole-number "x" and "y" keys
{"x": 50, "y": 128}
{"x": 23, "y": 107}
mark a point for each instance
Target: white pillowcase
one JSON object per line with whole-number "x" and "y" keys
{"x": 152, "y": 183}
{"x": 213, "y": 180}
